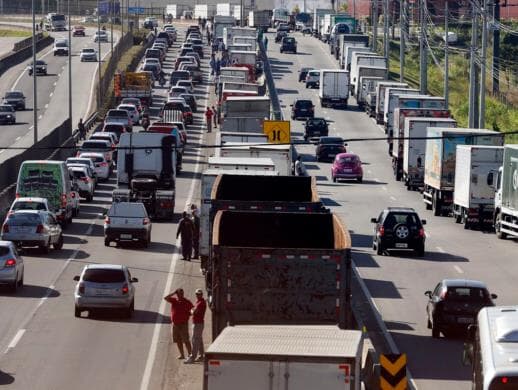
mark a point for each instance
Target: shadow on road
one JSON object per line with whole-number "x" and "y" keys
{"x": 139, "y": 317}
{"x": 5, "y": 378}
{"x": 31, "y": 291}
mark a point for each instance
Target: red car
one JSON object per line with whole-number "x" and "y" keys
{"x": 347, "y": 166}
{"x": 78, "y": 31}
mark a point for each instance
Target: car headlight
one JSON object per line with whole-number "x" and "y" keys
{"x": 9, "y": 116}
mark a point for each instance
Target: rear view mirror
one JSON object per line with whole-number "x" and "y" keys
{"x": 490, "y": 179}
{"x": 374, "y": 220}
{"x": 494, "y": 296}
{"x": 134, "y": 280}
{"x": 423, "y": 221}
{"x": 76, "y": 278}
{"x": 428, "y": 294}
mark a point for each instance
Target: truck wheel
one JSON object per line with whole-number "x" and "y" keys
{"x": 106, "y": 242}
{"x": 498, "y": 225}
{"x": 436, "y": 206}
{"x": 77, "y": 312}
{"x": 379, "y": 248}
{"x": 464, "y": 220}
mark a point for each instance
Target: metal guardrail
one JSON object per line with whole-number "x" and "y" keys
{"x": 270, "y": 83}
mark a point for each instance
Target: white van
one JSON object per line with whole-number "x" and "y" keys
{"x": 61, "y": 47}
{"x": 47, "y": 179}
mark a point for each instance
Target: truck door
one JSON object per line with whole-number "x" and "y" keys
{"x": 321, "y": 376}
{"x": 252, "y": 375}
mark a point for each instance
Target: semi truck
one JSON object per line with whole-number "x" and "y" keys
{"x": 277, "y": 271}
{"x": 245, "y": 114}
{"x": 280, "y": 15}
{"x": 351, "y": 48}
{"x": 506, "y": 196}
{"x": 230, "y": 32}
{"x": 278, "y": 357}
{"x": 408, "y": 159}
{"x": 473, "y": 196}
{"x": 146, "y": 172}
{"x": 260, "y": 19}
{"x": 380, "y": 97}
{"x": 439, "y": 171}
{"x": 219, "y": 24}
{"x": 55, "y": 22}
{"x": 333, "y": 88}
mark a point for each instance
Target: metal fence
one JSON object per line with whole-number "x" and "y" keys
{"x": 270, "y": 83}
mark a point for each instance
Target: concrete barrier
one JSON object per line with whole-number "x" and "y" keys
{"x": 15, "y": 58}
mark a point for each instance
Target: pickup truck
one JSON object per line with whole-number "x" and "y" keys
{"x": 127, "y": 222}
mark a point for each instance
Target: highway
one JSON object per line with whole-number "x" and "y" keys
{"x": 396, "y": 283}
{"x": 52, "y": 92}
{"x": 43, "y": 346}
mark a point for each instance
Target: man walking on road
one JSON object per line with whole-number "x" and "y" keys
{"x": 186, "y": 229}
{"x": 196, "y": 236}
{"x": 208, "y": 119}
{"x": 82, "y": 130}
{"x": 180, "y": 313}
{"x": 198, "y": 316}
{"x": 215, "y": 116}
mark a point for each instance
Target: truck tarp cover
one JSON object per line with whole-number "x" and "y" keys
{"x": 265, "y": 188}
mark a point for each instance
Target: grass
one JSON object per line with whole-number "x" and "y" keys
{"x": 7, "y": 33}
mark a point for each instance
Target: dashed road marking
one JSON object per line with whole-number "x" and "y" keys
{"x": 440, "y": 249}
{"x": 17, "y": 337}
{"x": 52, "y": 93}
{"x": 458, "y": 269}
{"x": 46, "y": 106}
{"x": 393, "y": 198}
{"x": 384, "y": 188}
{"x": 17, "y": 138}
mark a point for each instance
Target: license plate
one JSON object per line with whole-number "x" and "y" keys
{"x": 401, "y": 245}
{"x": 348, "y": 170}
{"x": 465, "y": 320}
{"x": 23, "y": 229}
{"x": 316, "y": 132}
{"x": 103, "y": 291}
{"x": 331, "y": 155}
{"x": 126, "y": 236}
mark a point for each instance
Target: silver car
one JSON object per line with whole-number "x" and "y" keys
{"x": 104, "y": 286}
{"x": 33, "y": 228}
{"x": 11, "y": 266}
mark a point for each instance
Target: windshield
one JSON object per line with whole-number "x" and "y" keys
{"x": 317, "y": 122}
{"x": 61, "y": 44}
{"x": 331, "y": 140}
{"x": 78, "y": 174}
{"x": 6, "y": 109}
{"x": 117, "y": 113}
{"x": 13, "y": 95}
{"x": 104, "y": 276}
{"x": 56, "y": 18}
{"x": 78, "y": 161}
{"x": 24, "y": 219}
{"x": 88, "y": 51}
{"x": 95, "y": 145}
{"x": 304, "y": 104}
{"x": 24, "y": 205}
{"x": 347, "y": 159}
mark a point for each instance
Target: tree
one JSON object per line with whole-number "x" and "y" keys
{"x": 344, "y": 7}
{"x": 296, "y": 10}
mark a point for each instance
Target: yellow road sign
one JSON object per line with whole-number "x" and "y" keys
{"x": 278, "y": 132}
{"x": 393, "y": 372}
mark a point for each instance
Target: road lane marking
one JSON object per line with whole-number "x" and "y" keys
{"x": 15, "y": 339}
{"x": 384, "y": 188}
{"x": 440, "y": 249}
{"x": 150, "y": 361}
{"x": 3, "y": 150}
{"x": 32, "y": 127}
{"x": 41, "y": 116}
{"x": 52, "y": 93}
{"x": 458, "y": 269}
{"x": 393, "y": 198}
{"x": 46, "y": 106}
{"x": 17, "y": 138}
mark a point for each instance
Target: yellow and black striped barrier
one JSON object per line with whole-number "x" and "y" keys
{"x": 393, "y": 372}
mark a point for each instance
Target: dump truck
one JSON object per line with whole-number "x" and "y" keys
{"x": 133, "y": 85}
{"x": 277, "y": 271}
{"x": 473, "y": 195}
{"x": 439, "y": 171}
{"x": 506, "y": 196}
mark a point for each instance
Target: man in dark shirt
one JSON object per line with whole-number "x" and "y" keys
{"x": 198, "y": 316}
{"x": 180, "y": 313}
{"x": 186, "y": 229}
{"x": 196, "y": 236}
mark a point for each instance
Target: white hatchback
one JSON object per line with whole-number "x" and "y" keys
{"x": 102, "y": 167}
{"x": 132, "y": 111}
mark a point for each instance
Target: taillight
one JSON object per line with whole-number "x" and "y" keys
{"x": 382, "y": 230}
{"x": 125, "y": 289}
{"x": 17, "y": 194}
{"x": 107, "y": 220}
{"x": 103, "y": 164}
{"x": 63, "y": 200}
{"x": 5, "y": 228}
{"x": 10, "y": 263}
{"x": 145, "y": 221}
{"x": 444, "y": 294}
{"x": 81, "y": 288}
{"x": 421, "y": 232}
{"x": 39, "y": 228}
{"x": 73, "y": 194}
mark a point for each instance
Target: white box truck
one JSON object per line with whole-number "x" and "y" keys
{"x": 278, "y": 357}
{"x": 224, "y": 9}
{"x": 388, "y": 106}
{"x": 380, "y": 97}
{"x": 280, "y": 154}
{"x": 367, "y": 86}
{"x": 364, "y": 59}
{"x": 334, "y": 88}
{"x": 368, "y": 71}
{"x": 473, "y": 196}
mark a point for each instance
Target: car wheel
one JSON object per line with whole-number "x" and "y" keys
{"x": 379, "y": 248}
{"x": 59, "y": 244}
{"x": 334, "y": 179}
{"x": 77, "y": 312}
{"x": 420, "y": 250}
{"x": 307, "y": 86}
{"x": 360, "y": 179}
{"x": 436, "y": 206}
{"x": 14, "y": 285}
{"x": 106, "y": 242}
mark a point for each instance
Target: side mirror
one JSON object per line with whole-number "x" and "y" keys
{"x": 134, "y": 280}
{"x": 291, "y": 105}
{"x": 494, "y": 296}
{"x": 76, "y": 278}
{"x": 374, "y": 220}
{"x": 423, "y": 221}
{"x": 428, "y": 294}
{"x": 490, "y": 179}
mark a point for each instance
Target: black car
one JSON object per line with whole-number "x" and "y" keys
{"x": 454, "y": 305}
{"x": 289, "y": 44}
{"x": 398, "y": 228}
{"x": 315, "y": 127}
{"x": 163, "y": 34}
{"x": 15, "y": 99}
{"x": 190, "y": 99}
{"x": 198, "y": 49}
{"x": 41, "y": 68}
{"x": 283, "y": 27}
{"x": 302, "y": 108}
{"x": 280, "y": 35}
{"x": 7, "y": 114}
{"x": 303, "y": 72}
{"x": 328, "y": 147}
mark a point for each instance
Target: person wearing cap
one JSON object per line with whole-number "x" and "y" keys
{"x": 180, "y": 312}
{"x": 198, "y": 316}
{"x": 196, "y": 236}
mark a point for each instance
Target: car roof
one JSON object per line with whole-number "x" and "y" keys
{"x": 401, "y": 209}
{"x": 104, "y": 266}
{"x": 92, "y": 154}
{"x": 463, "y": 283}
{"x": 29, "y": 212}
{"x": 31, "y": 199}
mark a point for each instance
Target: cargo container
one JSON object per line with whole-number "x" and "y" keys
{"x": 408, "y": 164}
{"x": 260, "y": 19}
{"x": 473, "y": 196}
{"x": 386, "y": 100}
{"x": 172, "y": 9}
{"x": 201, "y": 11}
{"x": 360, "y": 59}
{"x": 506, "y": 197}
{"x": 349, "y": 49}
{"x": 229, "y": 136}
{"x": 219, "y": 24}
{"x": 333, "y": 88}
{"x": 280, "y": 154}
{"x": 230, "y": 32}
{"x": 259, "y": 272}
{"x": 318, "y": 14}
{"x": 366, "y": 86}
{"x": 439, "y": 172}
{"x": 241, "y": 163}
{"x": 279, "y": 357}
{"x": 368, "y": 71}
{"x": 380, "y": 97}
{"x": 349, "y": 40}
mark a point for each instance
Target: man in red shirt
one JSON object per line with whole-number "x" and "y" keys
{"x": 198, "y": 315}
{"x": 208, "y": 119}
{"x": 180, "y": 313}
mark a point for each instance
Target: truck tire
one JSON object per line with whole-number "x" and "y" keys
{"x": 106, "y": 242}
{"x": 379, "y": 248}
{"x": 436, "y": 206}
{"x": 498, "y": 222}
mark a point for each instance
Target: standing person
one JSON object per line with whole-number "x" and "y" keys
{"x": 208, "y": 36}
{"x": 218, "y": 67}
{"x": 208, "y": 119}
{"x": 198, "y": 321}
{"x": 186, "y": 229}
{"x": 215, "y": 116}
{"x": 82, "y": 130}
{"x": 180, "y": 313}
{"x": 196, "y": 237}
{"x": 265, "y": 41}
{"x": 212, "y": 64}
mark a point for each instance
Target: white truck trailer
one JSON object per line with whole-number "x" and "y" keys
{"x": 333, "y": 88}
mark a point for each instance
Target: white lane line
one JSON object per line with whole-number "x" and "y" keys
{"x": 46, "y": 106}
{"x": 384, "y": 188}
{"x": 17, "y": 337}
{"x": 393, "y": 198}
{"x": 17, "y": 138}
{"x": 41, "y": 116}
{"x": 55, "y": 83}
{"x": 51, "y": 94}
{"x": 458, "y": 269}
{"x": 3, "y": 150}
{"x": 32, "y": 127}
{"x": 369, "y": 171}
{"x": 151, "y": 357}
{"x": 440, "y": 249}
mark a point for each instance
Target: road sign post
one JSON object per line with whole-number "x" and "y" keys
{"x": 278, "y": 132}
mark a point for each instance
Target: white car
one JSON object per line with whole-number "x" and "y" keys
{"x": 154, "y": 61}
{"x": 85, "y": 183}
{"x": 105, "y": 136}
{"x": 29, "y": 203}
{"x": 177, "y": 91}
{"x": 132, "y": 111}
{"x": 86, "y": 162}
{"x": 61, "y": 47}
{"x": 11, "y": 266}
{"x": 102, "y": 167}
{"x": 101, "y": 36}
{"x": 88, "y": 54}
{"x": 187, "y": 84}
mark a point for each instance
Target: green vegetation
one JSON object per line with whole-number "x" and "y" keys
{"x": 7, "y": 33}
{"x": 499, "y": 116}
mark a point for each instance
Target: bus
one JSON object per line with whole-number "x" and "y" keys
{"x": 492, "y": 349}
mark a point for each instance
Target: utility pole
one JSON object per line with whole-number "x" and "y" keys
{"x": 402, "y": 31}
{"x": 34, "y": 78}
{"x": 495, "y": 71}
{"x": 99, "y": 94}
{"x": 473, "y": 103}
{"x": 482, "y": 110}
{"x": 423, "y": 52}
{"x": 446, "y": 59}
{"x": 386, "y": 29}
{"x": 375, "y": 25}
{"x": 69, "y": 66}
{"x": 111, "y": 27}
